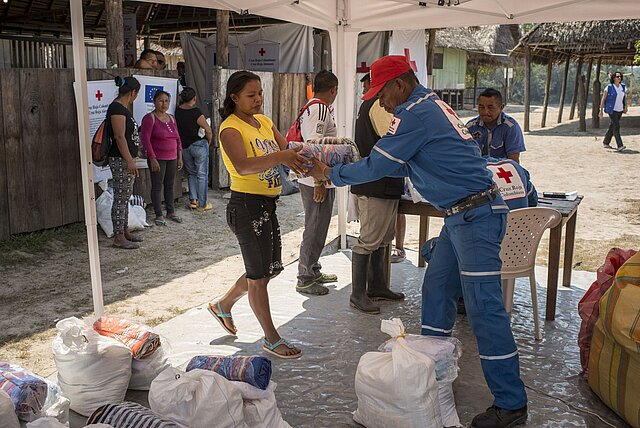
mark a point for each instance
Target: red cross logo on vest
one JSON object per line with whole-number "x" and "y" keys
{"x": 99, "y": 95}
{"x": 414, "y": 67}
{"x": 505, "y": 175}
{"x": 262, "y": 52}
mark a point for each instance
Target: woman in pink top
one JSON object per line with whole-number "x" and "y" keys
{"x": 160, "y": 138}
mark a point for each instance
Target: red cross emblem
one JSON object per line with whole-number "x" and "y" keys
{"x": 262, "y": 52}
{"x": 363, "y": 67}
{"x": 407, "y": 56}
{"x": 99, "y": 95}
{"x": 505, "y": 175}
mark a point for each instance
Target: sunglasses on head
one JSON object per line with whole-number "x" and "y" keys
{"x": 618, "y": 76}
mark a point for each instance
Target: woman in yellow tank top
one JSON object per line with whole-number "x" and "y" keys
{"x": 252, "y": 148}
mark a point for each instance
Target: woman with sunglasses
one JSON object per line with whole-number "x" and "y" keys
{"x": 614, "y": 103}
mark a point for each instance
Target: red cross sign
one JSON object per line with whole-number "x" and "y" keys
{"x": 505, "y": 175}
{"x": 262, "y": 52}
{"x": 414, "y": 67}
{"x": 363, "y": 67}
{"x": 99, "y": 95}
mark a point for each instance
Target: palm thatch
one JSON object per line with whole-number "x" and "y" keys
{"x": 610, "y": 41}
{"x": 489, "y": 44}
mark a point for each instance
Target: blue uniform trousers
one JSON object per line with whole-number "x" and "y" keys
{"x": 473, "y": 239}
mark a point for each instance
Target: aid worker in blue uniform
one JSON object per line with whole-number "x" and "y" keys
{"x": 518, "y": 191}
{"x": 428, "y": 143}
{"x": 497, "y": 133}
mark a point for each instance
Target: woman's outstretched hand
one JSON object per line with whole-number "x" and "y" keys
{"x": 294, "y": 160}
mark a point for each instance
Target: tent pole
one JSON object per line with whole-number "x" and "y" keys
{"x": 82, "y": 105}
{"x": 595, "y": 102}
{"x": 527, "y": 88}
{"x": 574, "y": 98}
{"x": 547, "y": 90}
{"x": 563, "y": 92}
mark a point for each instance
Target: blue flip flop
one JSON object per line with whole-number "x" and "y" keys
{"x": 271, "y": 348}
{"x": 219, "y": 316}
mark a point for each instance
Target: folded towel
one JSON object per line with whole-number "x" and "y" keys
{"x": 27, "y": 391}
{"x": 137, "y": 337}
{"x": 255, "y": 371}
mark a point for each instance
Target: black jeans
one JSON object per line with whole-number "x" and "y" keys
{"x": 614, "y": 129}
{"x": 163, "y": 178}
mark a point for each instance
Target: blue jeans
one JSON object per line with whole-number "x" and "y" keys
{"x": 196, "y": 161}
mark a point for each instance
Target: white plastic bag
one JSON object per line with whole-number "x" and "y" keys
{"x": 46, "y": 423}
{"x": 137, "y": 215}
{"x": 8, "y": 418}
{"x": 93, "y": 370}
{"x": 397, "y": 389}
{"x": 196, "y": 399}
{"x": 250, "y": 392}
{"x": 260, "y": 407}
{"x": 144, "y": 371}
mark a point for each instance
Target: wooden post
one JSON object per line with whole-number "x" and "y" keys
{"x": 115, "y": 33}
{"x": 527, "y": 88}
{"x": 574, "y": 98}
{"x": 595, "y": 102}
{"x": 222, "y": 38}
{"x": 563, "y": 92}
{"x": 431, "y": 50}
{"x": 588, "y": 83}
{"x": 475, "y": 85}
{"x": 582, "y": 103}
{"x": 547, "y": 90}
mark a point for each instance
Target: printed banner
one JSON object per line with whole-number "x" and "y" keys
{"x": 411, "y": 44}
{"x": 262, "y": 56}
{"x": 148, "y": 87}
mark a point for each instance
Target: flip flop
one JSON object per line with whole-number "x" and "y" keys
{"x": 159, "y": 221}
{"x": 219, "y": 317}
{"x": 271, "y": 349}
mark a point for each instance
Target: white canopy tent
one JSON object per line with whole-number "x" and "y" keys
{"x": 344, "y": 19}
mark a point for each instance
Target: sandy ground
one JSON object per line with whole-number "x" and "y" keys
{"x": 183, "y": 265}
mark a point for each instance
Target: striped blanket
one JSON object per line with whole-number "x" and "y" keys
{"x": 27, "y": 391}
{"x": 329, "y": 150}
{"x": 255, "y": 371}
{"x": 614, "y": 361}
{"x": 137, "y": 337}
{"x": 128, "y": 415}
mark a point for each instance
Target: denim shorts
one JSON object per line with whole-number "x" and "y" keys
{"x": 252, "y": 218}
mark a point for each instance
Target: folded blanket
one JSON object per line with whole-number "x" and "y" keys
{"x": 255, "y": 371}
{"x": 128, "y": 415}
{"x": 27, "y": 391}
{"x": 137, "y": 337}
{"x": 329, "y": 150}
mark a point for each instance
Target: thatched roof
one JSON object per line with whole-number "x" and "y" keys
{"x": 611, "y": 41}
{"x": 489, "y": 43}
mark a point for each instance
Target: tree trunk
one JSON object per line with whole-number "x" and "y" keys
{"x": 588, "y": 83}
{"x": 563, "y": 92}
{"x": 431, "y": 50}
{"x": 582, "y": 103}
{"x": 574, "y": 99}
{"x": 527, "y": 88}
{"x": 115, "y": 33}
{"x": 595, "y": 101}
{"x": 547, "y": 89}
{"x": 222, "y": 38}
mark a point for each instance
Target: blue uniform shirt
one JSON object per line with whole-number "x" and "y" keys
{"x": 428, "y": 143}
{"x": 514, "y": 183}
{"x": 503, "y": 140}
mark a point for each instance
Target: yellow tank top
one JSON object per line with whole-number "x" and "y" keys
{"x": 257, "y": 142}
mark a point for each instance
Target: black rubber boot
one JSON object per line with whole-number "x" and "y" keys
{"x": 378, "y": 288}
{"x": 495, "y": 417}
{"x": 359, "y": 299}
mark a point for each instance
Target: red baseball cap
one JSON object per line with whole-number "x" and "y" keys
{"x": 384, "y": 69}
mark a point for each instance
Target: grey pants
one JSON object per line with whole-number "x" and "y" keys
{"x": 163, "y": 180}
{"x": 316, "y": 225}
{"x": 377, "y": 223}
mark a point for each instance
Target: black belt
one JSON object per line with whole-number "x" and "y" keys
{"x": 473, "y": 201}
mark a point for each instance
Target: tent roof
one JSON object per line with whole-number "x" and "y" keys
{"x": 611, "y": 41}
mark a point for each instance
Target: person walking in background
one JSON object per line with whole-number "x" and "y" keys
{"x": 124, "y": 130}
{"x": 316, "y": 121}
{"x": 195, "y": 149}
{"x": 614, "y": 103}
{"x": 497, "y": 133}
{"x": 377, "y": 203}
{"x": 161, "y": 141}
{"x": 252, "y": 147}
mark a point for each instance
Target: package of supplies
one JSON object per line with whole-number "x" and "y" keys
{"x": 93, "y": 370}
{"x": 329, "y": 150}
{"x": 254, "y": 370}
{"x": 128, "y": 415}
{"x": 8, "y": 417}
{"x": 137, "y": 215}
{"x": 263, "y": 413}
{"x": 139, "y": 338}
{"x": 196, "y": 399}
{"x": 444, "y": 351}
{"x": 33, "y": 397}
{"x": 145, "y": 370}
{"x": 46, "y": 423}
{"x": 397, "y": 388}
{"x": 250, "y": 392}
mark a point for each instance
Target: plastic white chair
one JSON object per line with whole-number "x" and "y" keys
{"x": 524, "y": 229}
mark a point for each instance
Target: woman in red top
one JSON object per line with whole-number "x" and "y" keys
{"x": 161, "y": 140}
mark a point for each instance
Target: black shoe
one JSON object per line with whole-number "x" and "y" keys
{"x": 495, "y": 417}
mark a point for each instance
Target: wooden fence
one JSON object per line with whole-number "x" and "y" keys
{"x": 40, "y": 178}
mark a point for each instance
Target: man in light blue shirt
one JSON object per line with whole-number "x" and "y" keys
{"x": 497, "y": 133}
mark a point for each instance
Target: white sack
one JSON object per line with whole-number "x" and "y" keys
{"x": 8, "y": 418}
{"x": 263, "y": 413}
{"x": 250, "y": 392}
{"x": 448, "y": 405}
{"x": 137, "y": 215}
{"x": 144, "y": 371}
{"x": 47, "y": 422}
{"x": 93, "y": 370}
{"x": 196, "y": 399}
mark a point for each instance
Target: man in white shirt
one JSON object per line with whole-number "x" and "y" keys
{"x": 316, "y": 121}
